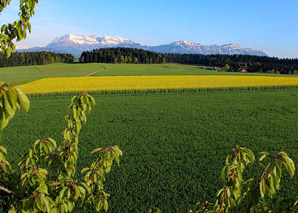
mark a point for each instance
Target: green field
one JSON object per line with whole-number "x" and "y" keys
{"x": 174, "y": 145}
{"x": 21, "y": 75}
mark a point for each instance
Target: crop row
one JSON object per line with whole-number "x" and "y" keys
{"x": 164, "y": 91}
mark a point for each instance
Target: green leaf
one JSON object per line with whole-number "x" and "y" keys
{"x": 13, "y": 47}
{"x": 43, "y": 171}
{"x": 8, "y": 108}
{"x": 55, "y": 184}
{"x": 262, "y": 188}
{"x": 3, "y": 149}
{"x": 86, "y": 187}
{"x": 106, "y": 205}
{"x": 262, "y": 157}
{"x": 43, "y": 189}
{"x": 95, "y": 150}
{"x": 99, "y": 205}
{"x": 3, "y": 29}
{"x": 29, "y": 26}
{"x": 224, "y": 172}
{"x": 92, "y": 100}
{"x": 276, "y": 177}
{"x": 39, "y": 204}
{"x": 46, "y": 203}
{"x": 73, "y": 99}
{"x": 68, "y": 192}
{"x": 8, "y": 51}
{"x": 70, "y": 206}
{"x": 220, "y": 192}
{"x": 13, "y": 98}
{"x": 61, "y": 194}
{"x": 288, "y": 163}
{"x": 65, "y": 205}
{"x": 265, "y": 153}
{"x": 23, "y": 99}
{"x": 77, "y": 192}
{"x": 4, "y": 121}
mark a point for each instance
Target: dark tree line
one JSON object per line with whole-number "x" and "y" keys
{"x": 33, "y": 58}
{"x": 231, "y": 63}
{"x": 122, "y": 55}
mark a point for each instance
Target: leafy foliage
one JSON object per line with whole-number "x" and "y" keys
{"x": 45, "y": 179}
{"x": 18, "y": 29}
{"x": 252, "y": 194}
{"x": 11, "y": 99}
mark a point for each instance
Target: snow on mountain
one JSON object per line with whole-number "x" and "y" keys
{"x": 185, "y": 44}
{"x": 108, "y": 40}
{"x": 195, "y": 48}
{"x": 76, "y": 44}
{"x": 78, "y": 39}
{"x": 90, "y": 40}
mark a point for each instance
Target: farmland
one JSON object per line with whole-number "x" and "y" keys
{"x": 174, "y": 145}
{"x": 25, "y": 74}
{"x": 118, "y": 83}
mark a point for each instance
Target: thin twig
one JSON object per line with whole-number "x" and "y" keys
{"x": 10, "y": 192}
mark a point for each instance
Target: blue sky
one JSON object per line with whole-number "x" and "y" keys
{"x": 268, "y": 25}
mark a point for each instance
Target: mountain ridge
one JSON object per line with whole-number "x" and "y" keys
{"x": 76, "y": 44}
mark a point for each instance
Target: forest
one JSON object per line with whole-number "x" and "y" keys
{"x": 33, "y": 58}
{"x": 228, "y": 63}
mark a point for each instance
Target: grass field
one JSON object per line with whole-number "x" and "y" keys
{"x": 21, "y": 75}
{"x": 174, "y": 145}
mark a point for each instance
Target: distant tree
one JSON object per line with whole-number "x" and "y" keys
{"x": 135, "y": 60}
{"x": 122, "y": 59}
{"x": 229, "y": 63}
{"x": 33, "y": 58}
{"x": 227, "y": 67}
{"x": 129, "y": 59}
{"x": 82, "y": 59}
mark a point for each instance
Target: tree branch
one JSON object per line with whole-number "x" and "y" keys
{"x": 10, "y": 192}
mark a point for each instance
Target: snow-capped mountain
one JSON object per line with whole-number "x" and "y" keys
{"x": 76, "y": 39}
{"x": 194, "y": 48}
{"x": 76, "y": 44}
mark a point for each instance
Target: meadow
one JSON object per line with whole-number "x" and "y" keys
{"x": 25, "y": 74}
{"x": 174, "y": 144}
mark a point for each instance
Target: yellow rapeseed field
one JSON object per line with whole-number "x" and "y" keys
{"x": 73, "y": 84}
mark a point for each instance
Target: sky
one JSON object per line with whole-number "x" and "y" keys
{"x": 267, "y": 25}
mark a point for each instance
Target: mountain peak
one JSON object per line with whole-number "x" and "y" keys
{"x": 184, "y": 43}
{"x": 108, "y": 40}
{"x": 78, "y": 39}
{"x": 91, "y": 40}
{"x": 231, "y": 46}
{"x": 76, "y": 44}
